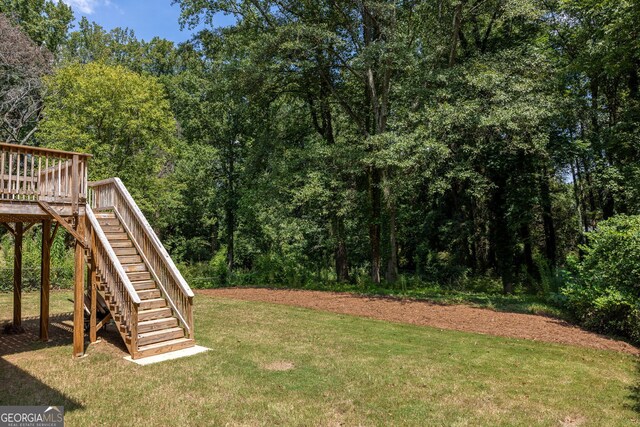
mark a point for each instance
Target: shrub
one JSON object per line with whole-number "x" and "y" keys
{"x": 62, "y": 262}
{"x": 604, "y": 291}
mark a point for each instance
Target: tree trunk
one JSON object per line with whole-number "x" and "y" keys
{"x": 608, "y": 206}
{"x": 547, "y": 220}
{"x": 392, "y": 262}
{"x": 340, "y": 254}
{"x": 374, "y": 224}
{"x": 230, "y": 240}
{"x": 533, "y": 276}
{"x": 230, "y": 211}
{"x": 455, "y": 33}
{"x": 590, "y": 194}
{"x": 580, "y": 193}
{"x": 501, "y": 235}
{"x": 322, "y": 120}
{"x": 215, "y": 242}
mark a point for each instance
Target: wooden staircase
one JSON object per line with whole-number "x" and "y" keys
{"x": 158, "y": 328}
{"x": 146, "y": 295}
{"x": 149, "y": 300}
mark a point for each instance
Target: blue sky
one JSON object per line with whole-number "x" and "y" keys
{"x": 147, "y": 18}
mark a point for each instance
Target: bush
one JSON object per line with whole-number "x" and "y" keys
{"x": 444, "y": 268}
{"x": 604, "y": 290}
{"x": 62, "y": 261}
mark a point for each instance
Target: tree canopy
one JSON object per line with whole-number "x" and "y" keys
{"x": 121, "y": 117}
{"x": 375, "y": 142}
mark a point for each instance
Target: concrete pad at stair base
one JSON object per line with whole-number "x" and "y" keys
{"x": 185, "y": 352}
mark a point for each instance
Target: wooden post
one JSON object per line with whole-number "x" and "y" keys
{"x": 94, "y": 303}
{"x": 190, "y": 318}
{"x": 93, "y": 286}
{"x": 17, "y": 278}
{"x": 45, "y": 279}
{"x": 75, "y": 184}
{"x": 78, "y": 294}
{"x": 134, "y": 331}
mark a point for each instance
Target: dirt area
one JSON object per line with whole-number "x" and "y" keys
{"x": 456, "y": 317}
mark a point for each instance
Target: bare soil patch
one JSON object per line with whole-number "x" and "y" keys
{"x": 455, "y": 317}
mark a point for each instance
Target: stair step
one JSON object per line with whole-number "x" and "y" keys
{"x": 116, "y": 236}
{"x": 121, "y": 244}
{"x": 143, "y": 285}
{"x": 102, "y": 215}
{"x": 153, "y": 303}
{"x": 129, "y": 259}
{"x": 130, "y": 268}
{"x": 163, "y": 347}
{"x": 154, "y": 313}
{"x": 106, "y": 222}
{"x": 137, "y": 276}
{"x": 112, "y": 228}
{"x": 125, "y": 251}
{"x": 157, "y": 324}
{"x": 149, "y": 294}
{"x": 159, "y": 336}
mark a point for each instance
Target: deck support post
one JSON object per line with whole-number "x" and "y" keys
{"x": 45, "y": 279}
{"x": 79, "y": 283}
{"x": 93, "y": 277}
{"x": 17, "y": 279}
{"x": 78, "y": 292}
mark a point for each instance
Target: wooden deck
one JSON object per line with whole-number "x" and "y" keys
{"x": 50, "y": 187}
{"x": 14, "y": 211}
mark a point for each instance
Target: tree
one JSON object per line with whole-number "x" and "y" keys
{"x": 599, "y": 66}
{"x": 215, "y": 123}
{"x": 332, "y": 56}
{"x": 22, "y": 66}
{"x": 46, "y": 22}
{"x": 122, "y": 118}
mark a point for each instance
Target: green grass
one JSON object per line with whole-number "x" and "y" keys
{"x": 347, "y": 370}
{"x": 60, "y": 302}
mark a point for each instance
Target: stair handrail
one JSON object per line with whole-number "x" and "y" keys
{"x": 111, "y": 193}
{"x": 95, "y": 225}
{"x": 125, "y": 295}
{"x": 155, "y": 277}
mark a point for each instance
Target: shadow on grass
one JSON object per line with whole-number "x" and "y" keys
{"x": 634, "y": 391}
{"x": 60, "y": 334}
{"x": 23, "y": 389}
{"x": 19, "y": 387}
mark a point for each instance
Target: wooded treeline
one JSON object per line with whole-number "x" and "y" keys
{"x": 338, "y": 140}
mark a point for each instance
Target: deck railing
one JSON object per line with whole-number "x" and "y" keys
{"x": 33, "y": 174}
{"x": 112, "y": 194}
{"x": 113, "y": 276}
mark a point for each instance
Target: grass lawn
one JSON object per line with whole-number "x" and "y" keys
{"x": 272, "y": 364}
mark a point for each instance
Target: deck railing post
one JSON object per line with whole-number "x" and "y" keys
{"x": 75, "y": 184}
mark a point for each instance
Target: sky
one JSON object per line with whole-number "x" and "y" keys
{"x": 147, "y": 18}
